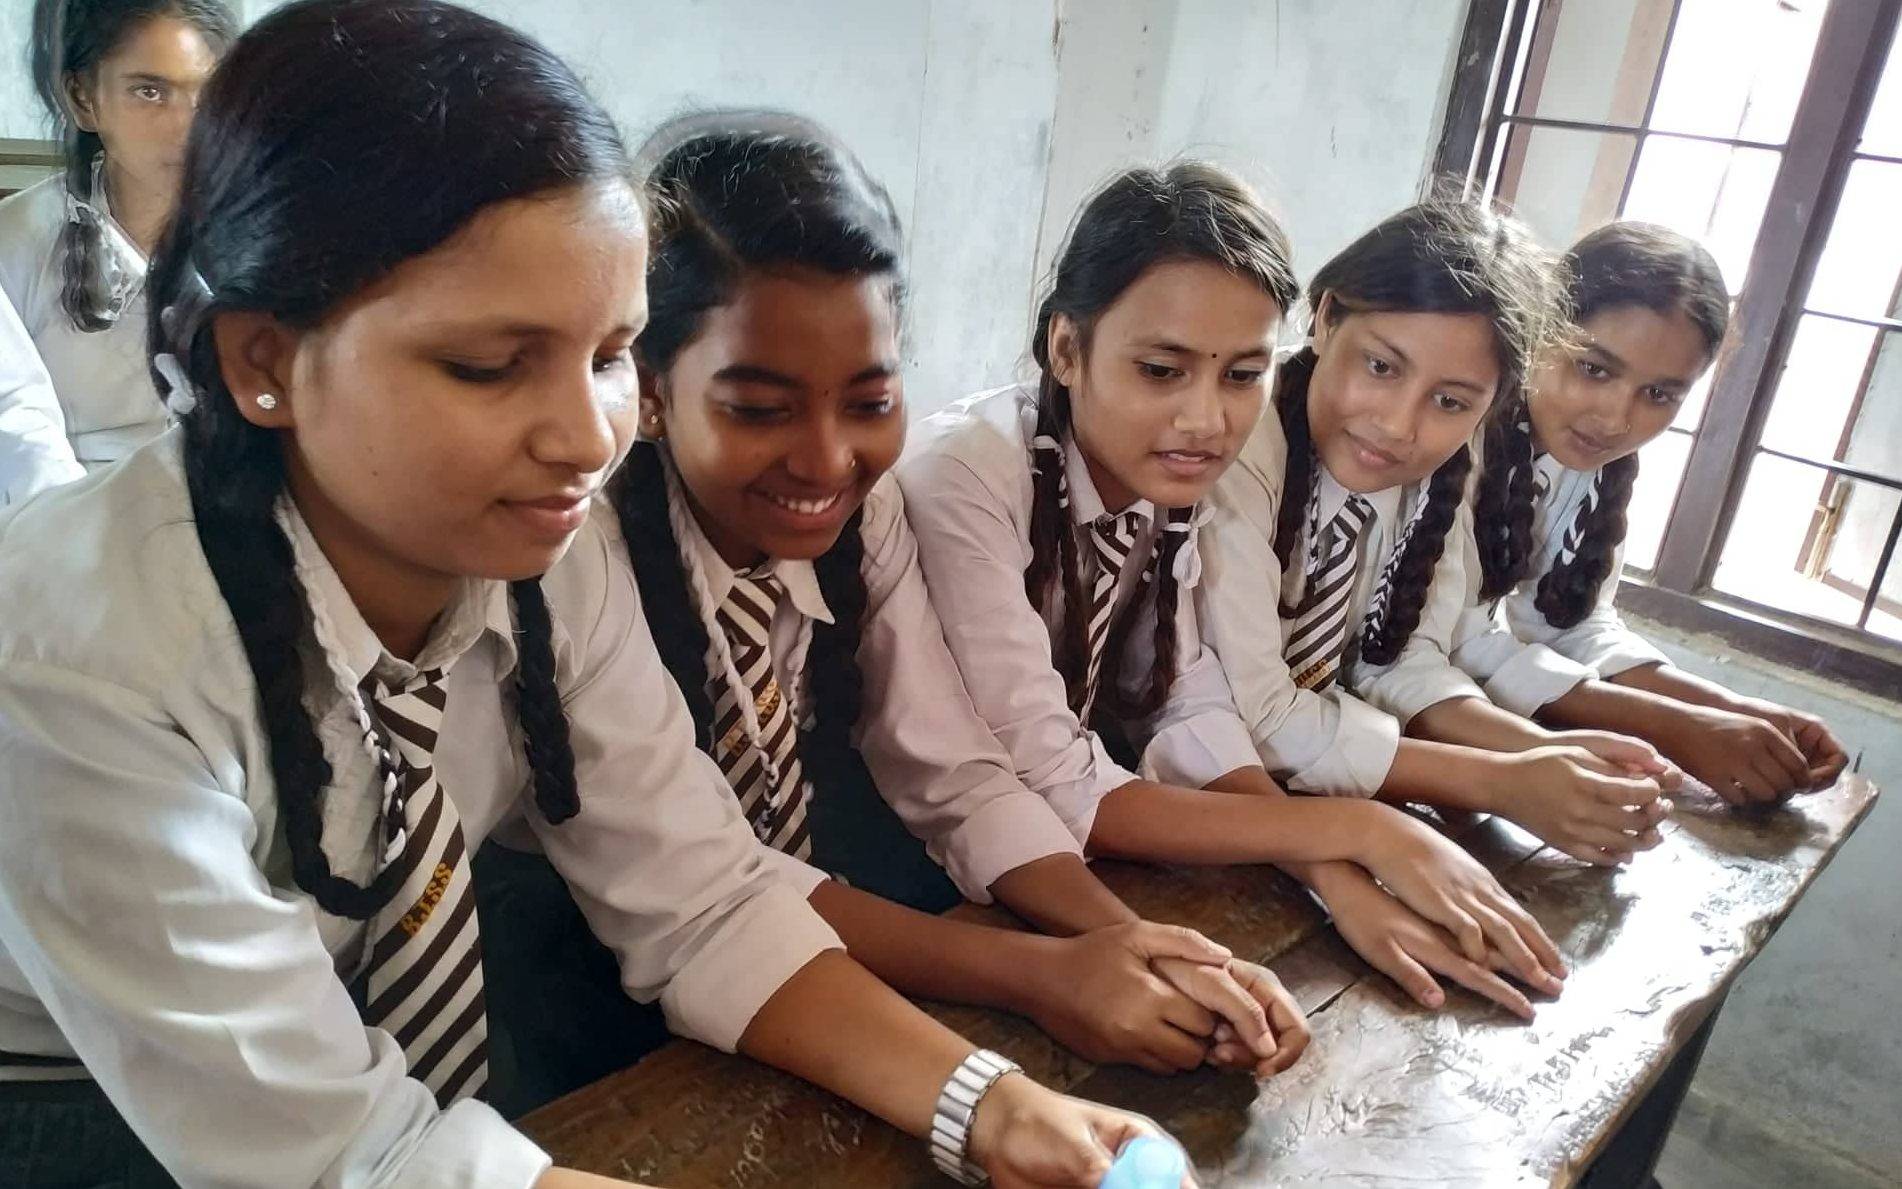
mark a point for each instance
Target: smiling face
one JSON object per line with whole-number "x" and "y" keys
{"x": 1394, "y": 395}
{"x": 783, "y": 410}
{"x": 1169, "y": 383}
{"x": 1620, "y": 389}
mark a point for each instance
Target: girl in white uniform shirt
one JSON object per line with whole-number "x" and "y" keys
{"x": 1542, "y": 633}
{"x": 120, "y": 79}
{"x": 1058, "y": 525}
{"x": 1338, "y": 516}
{"x": 782, "y": 587}
{"x": 34, "y": 453}
{"x": 264, "y": 684}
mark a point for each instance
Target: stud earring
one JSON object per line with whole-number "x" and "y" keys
{"x": 266, "y": 401}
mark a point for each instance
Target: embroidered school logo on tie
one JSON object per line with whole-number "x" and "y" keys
{"x": 760, "y": 757}
{"x": 423, "y": 981}
{"x": 1319, "y": 633}
{"x": 1113, "y": 537}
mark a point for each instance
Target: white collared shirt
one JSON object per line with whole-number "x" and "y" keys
{"x": 1342, "y": 741}
{"x": 1525, "y": 661}
{"x": 933, "y": 759}
{"x": 149, "y": 924}
{"x": 101, "y": 379}
{"x": 968, "y": 494}
{"x": 34, "y": 453}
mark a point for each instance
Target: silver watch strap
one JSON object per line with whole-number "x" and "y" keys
{"x": 957, "y": 1107}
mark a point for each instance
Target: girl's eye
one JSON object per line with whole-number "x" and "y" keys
{"x": 1378, "y": 366}
{"x": 756, "y": 414}
{"x": 1592, "y": 371}
{"x": 1448, "y": 403}
{"x": 877, "y": 406}
{"x": 1659, "y": 396}
{"x": 472, "y": 373}
{"x": 622, "y": 358}
{"x": 1246, "y": 375}
{"x": 1157, "y": 371}
{"x": 149, "y": 93}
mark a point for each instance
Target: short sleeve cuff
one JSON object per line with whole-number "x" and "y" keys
{"x": 1534, "y": 677}
{"x": 1007, "y": 833}
{"x": 1365, "y": 744}
{"x": 1197, "y": 751}
{"x": 763, "y": 943}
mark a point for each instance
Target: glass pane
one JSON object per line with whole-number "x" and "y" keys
{"x": 1805, "y": 542}
{"x": 1882, "y": 132}
{"x": 1736, "y": 67}
{"x": 1691, "y": 416}
{"x": 1816, "y": 391}
{"x": 1602, "y": 60}
{"x": 1660, "y": 471}
{"x": 1859, "y": 266}
{"x": 1564, "y": 183}
{"x": 1713, "y": 193}
{"x": 1875, "y": 434}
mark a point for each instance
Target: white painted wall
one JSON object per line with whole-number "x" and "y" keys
{"x": 989, "y": 120}
{"x": 20, "y": 113}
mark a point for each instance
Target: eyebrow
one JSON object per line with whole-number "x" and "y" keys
{"x": 1609, "y": 357}
{"x": 143, "y": 77}
{"x": 1171, "y": 347}
{"x": 1472, "y": 386}
{"x": 511, "y": 330}
{"x": 749, "y": 373}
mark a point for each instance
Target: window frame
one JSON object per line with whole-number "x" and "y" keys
{"x": 1498, "y": 53}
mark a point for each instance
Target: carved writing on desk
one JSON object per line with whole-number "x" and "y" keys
{"x": 1388, "y": 1095}
{"x": 1401, "y": 1096}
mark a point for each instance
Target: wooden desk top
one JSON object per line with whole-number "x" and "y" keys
{"x": 1387, "y": 1092}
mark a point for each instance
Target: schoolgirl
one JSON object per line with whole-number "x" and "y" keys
{"x": 119, "y": 79}
{"x": 1541, "y": 631}
{"x": 266, "y": 684}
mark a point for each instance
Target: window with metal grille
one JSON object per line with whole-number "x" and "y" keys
{"x": 1771, "y": 130}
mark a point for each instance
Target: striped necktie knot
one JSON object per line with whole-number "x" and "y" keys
{"x": 1318, "y": 634}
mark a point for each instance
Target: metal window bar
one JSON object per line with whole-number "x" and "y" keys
{"x": 1837, "y": 316}
{"x": 1521, "y": 33}
{"x": 1892, "y": 482}
{"x": 1880, "y": 158}
{"x": 1639, "y": 131}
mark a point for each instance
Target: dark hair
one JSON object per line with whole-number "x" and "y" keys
{"x": 70, "y": 39}
{"x": 1618, "y": 266}
{"x": 284, "y": 212}
{"x": 1139, "y": 219}
{"x": 1442, "y": 256}
{"x": 732, "y": 193}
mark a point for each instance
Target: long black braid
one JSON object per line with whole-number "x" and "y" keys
{"x": 283, "y": 215}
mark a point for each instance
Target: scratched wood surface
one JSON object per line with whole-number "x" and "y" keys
{"x": 1389, "y": 1093}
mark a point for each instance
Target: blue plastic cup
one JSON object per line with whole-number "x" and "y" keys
{"x": 1147, "y": 1162}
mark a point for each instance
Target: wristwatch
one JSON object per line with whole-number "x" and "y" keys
{"x": 957, "y": 1107}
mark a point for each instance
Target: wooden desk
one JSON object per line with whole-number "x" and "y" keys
{"x": 1389, "y": 1094}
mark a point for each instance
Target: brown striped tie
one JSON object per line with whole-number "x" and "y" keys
{"x": 423, "y": 981}
{"x": 1318, "y": 634}
{"x": 1114, "y": 537}
{"x": 765, "y": 773}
